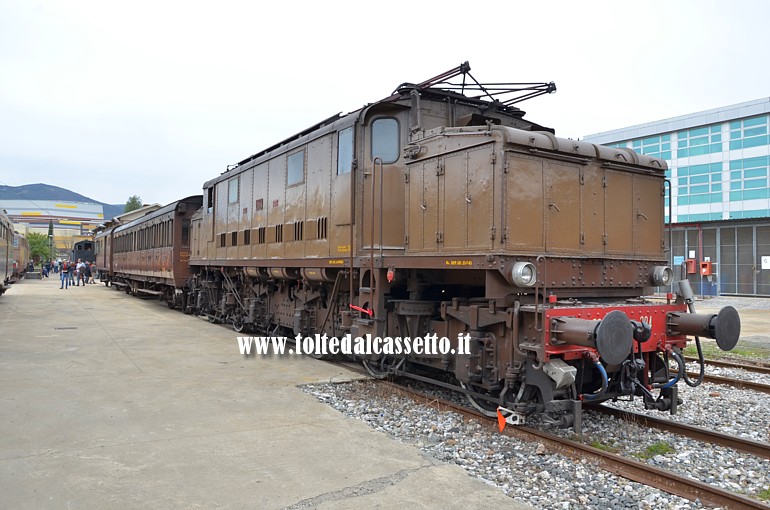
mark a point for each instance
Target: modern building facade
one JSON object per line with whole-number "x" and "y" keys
{"x": 72, "y": 221}
{"x": 719, "y": 191}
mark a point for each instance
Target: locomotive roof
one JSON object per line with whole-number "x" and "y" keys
{"x": 498, "y": 97}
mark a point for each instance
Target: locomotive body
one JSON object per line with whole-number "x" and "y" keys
{"x": 434, "y": 213}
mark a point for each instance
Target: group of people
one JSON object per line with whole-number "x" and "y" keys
{"x": 76, "y": 273}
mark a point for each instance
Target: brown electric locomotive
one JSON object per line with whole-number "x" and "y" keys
{"x": 440, "y": 210}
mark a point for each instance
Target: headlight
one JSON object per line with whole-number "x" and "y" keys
{"x": 662, "y": 275}
{"x": 523, "y": 274}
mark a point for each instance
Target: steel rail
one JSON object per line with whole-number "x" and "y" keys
{"x": 636, "y": 471}
{"x": 750, "y": 446}
{"x": 738, "y": 383}
{"x": 749, "y": 366}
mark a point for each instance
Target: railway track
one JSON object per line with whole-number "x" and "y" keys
{"x": 749, "y": 366}
{"x": 738, "y": 383}
{"x": 758, "y": 448}
{"x": 640, "y": 472}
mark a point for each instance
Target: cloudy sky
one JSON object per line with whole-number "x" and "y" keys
{"x": 111, "y": 99}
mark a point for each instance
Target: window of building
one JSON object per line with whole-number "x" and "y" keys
{"x": 653, "y": 146}
{"x": 696, "y": 142}
{"x": 699, "y": 184}
{"x": 749, "y": 133}
{"x": 749, "y": 178}
{"x": 210, "y": 199}
{"x": 233, "y": 187}
{"x": 295, "y": 168}
{"x": 345, "y": 151}
{"x": 385, "y": 140}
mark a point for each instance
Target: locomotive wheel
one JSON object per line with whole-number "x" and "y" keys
{"x": 381, "y": 368}
{"x": 484, "y": 407}
{"x": 237, "y": 326}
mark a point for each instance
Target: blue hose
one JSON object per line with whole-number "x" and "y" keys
{"x": 679, "y": 372}
{"x": 605, "y": 383}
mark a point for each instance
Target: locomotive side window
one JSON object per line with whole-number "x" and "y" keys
{"x": 295, "y": 172}
{"x": 232, "y": 190}
{"x": 345, "y": 151}
{"x": 210, "y": 199}
{"x": 385, "y": 140}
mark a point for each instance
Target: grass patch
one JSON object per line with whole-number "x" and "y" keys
{"x": 764, "y": 495}
{"x": 601, "y": 446}
{"x": 714, "y": 352}
{"x": 659, "y": 448}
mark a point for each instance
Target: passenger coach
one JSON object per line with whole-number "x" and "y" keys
{"x": 150, "y": 255}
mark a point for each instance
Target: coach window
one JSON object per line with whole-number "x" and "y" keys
{"x": 385, "y": 140}
{"x": 345, "y": 151}
{"x": 232, "y": 190}
{"x": 295, "y": 168}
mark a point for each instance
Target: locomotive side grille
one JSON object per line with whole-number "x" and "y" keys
{"x": 261, "y": 235}
{"x": 247, "y": 236}
{"x": 222, "y": 240}
{"x": 234, "y": 238}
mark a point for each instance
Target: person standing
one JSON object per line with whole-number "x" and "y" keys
{"x": 73, "y": 269}
{"x": 86, "y": 273}
{"x": 65, "y": 280}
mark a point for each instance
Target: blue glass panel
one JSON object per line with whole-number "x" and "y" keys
{"x": 736, "y": 196}
{"x": 735, "y": 135}
{"x": 699, "y": 169}
{"x": 666, "y": 138}
{"x": 755, "y": 142}
{"x": 665, "y": 155}
{"x": 761, "y": 130}
{"x": 682, "y": 143}
{"x": 716, "y": 128}
{"x": 754, "y": 183}
{"x": 683, "y": 170}
{"x": 699, "y": 132}
{"x": 716, "y": 138}
{"x": 682, "y": 153}
{"x": 736, "y": 185}
{"x": 703, "y": 140}
{"x": 651, "y": 140}
{"x": 717, "y": 187}
{"x": 756, "y": 162}
{"x": 756, "y": 121}
{"x": 700, "y": 199}
{"x": 684, "y": 200}
{"x": 682, "y": 190}
{"x": 636, "y": 143}
{"x": 762, "y": 213}
{"x": 736, "y": 164}
{"x": 755, "y": 172}
{"x": 698, "y": 189}
{"x": 753, "y": 194}
{"x": 699, "y": 151}
{"x": 665, "y": 147}
{"x": 699, "y": 179}
{"x": 735, "y": 125}
{"x": 736, "y": 176}
{"x": 736, "y": 144}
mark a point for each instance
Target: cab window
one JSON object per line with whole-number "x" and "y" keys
{"x": 385, "y": 140}
{"x": 345, "y": 151}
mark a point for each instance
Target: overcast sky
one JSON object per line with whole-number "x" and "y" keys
{"x": 111, "y": 99}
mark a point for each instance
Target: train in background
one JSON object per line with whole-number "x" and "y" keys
{"x": 6, "y": 251}
{"x": 441, "y": 209}
{"x": 21, "y": 257}
{"x": 83, "y": 250}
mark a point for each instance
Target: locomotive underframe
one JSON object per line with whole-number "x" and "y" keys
{"x": 516, "y": 359}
